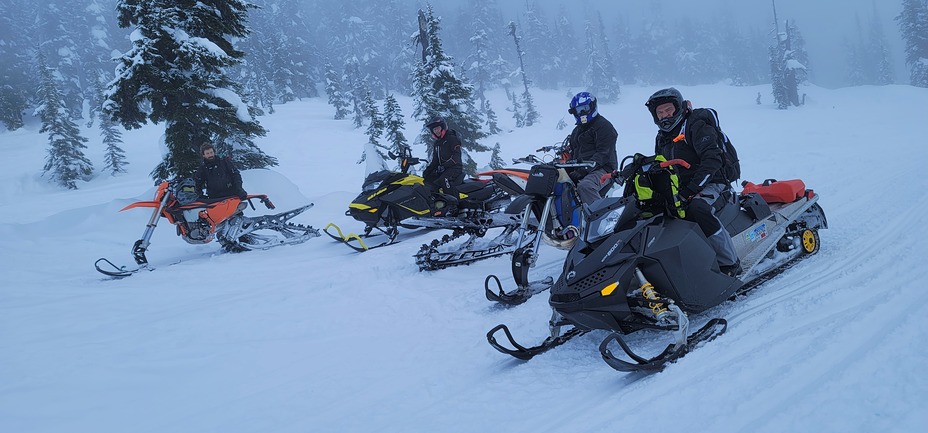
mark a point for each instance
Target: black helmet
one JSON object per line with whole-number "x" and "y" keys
{"x": 436, "y": 121}
{"x": 662, "y": 97}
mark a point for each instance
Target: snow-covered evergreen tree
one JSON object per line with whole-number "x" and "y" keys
{"x": 496, "y": 161}
{"x": 375, "y": 153}
{"x": 879, "y": 51}
{"x": 394, "y": 125}
{"x": 797, "y": 57}
{"x": 602, "y": 83}
{"x": 16, "y": 50}
{"x": 913, "y": 24}
{"x": 610, "y": 90}
{"x": 333, "y": 88}
{"x": 535, "y": 46}
{"x": 516, "y": 109}
{"x": 566, "y": 59}
{"x": 438, "y": 91}
{"x": 65, "y": 162}
{"x": 492, "y": 121}
{"x": 531, "y": 114}
{"x": 114, "y": 158}
{"x": 176, "y": 72}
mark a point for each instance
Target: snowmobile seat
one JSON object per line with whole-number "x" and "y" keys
{"x": 773, "y": 191}
{"x": 476, "y": 190}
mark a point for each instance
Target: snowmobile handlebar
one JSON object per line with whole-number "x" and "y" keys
{"x": 535, "y": 160}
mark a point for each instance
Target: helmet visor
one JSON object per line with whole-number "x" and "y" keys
{"x": 582, "y": 110}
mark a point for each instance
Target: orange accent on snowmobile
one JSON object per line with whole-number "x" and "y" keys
{"x": 520, "y": 174}
{"x": 777, "y": 191}
{"x": 218, "y": 212}
{"x": 666, "y": 164}
{"x": 159, "y": 194}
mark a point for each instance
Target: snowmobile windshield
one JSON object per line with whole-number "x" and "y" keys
{"x": 603, "y": 226}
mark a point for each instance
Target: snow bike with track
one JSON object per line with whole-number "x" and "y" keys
{"x": 551, "y": 196}
{"x": 199, "y": 221}
{"x": 391, "y": 200}
{"x": 638, "y": 265}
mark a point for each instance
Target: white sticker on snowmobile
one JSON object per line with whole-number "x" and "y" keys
{"x": 760, "y": 232}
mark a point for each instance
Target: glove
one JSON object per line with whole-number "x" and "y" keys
{"x": 242, "y": 194}
{"x": 579, "y": 173}
{"x": 687, "y": 195}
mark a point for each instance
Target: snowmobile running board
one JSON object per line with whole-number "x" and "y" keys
{"x": 518, "y": 296}
{"x": 673, "y": 352}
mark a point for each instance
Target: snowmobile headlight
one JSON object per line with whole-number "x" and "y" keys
{"x": 604, "y": 225}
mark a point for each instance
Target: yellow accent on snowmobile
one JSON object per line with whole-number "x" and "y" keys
{"x": 358, "y": 206}
{"x": 606, "y": 291}
{"x": 376, "y": 194}
{"x": 346, "y": 238}
{"x": 417, "y": 212}
{"x": 410, "y": 180}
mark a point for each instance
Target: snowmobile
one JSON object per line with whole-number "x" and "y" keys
{"x": 550, "y": 196}
{"x": 638, "y": 265}
{"x": 199, "y": 221}
{"x": 390, "y": 200}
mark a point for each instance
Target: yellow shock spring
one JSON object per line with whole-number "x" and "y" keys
{"x": 647, "y": 289}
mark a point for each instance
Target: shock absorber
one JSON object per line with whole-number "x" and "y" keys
{"x": 649, "y": 292}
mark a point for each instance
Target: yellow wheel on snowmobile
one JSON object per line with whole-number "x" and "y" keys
{"x": 810, "y": 241}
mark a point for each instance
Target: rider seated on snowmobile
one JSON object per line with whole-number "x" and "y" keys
{"x": 691, "y": 137}
{"x": 445, "y": 170}
{"x": 222, "y": 180}
{"x": 593, "y": 139}
{"x": 218, "y": 176}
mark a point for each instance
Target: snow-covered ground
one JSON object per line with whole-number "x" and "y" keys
{"x": 317, "y": 338}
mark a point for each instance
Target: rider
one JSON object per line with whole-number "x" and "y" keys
{"x": 445, "y": 170}
{"x": 703, "y": 183}
{"x": 218, "y": 176}
{"x": 593, "y": 139}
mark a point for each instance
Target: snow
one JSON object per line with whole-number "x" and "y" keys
{"x": 315, "y": 337}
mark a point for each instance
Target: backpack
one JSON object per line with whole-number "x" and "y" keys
{"x": 731, "y": 165}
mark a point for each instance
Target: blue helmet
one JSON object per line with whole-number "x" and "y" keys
{"x": 583, "y": 107}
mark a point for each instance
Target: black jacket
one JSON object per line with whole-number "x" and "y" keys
{"x": 595, "y": 141}
{"x": 446, "y": 154}
{"x": 700, "y": 146}
{"x": 219, "y": 177}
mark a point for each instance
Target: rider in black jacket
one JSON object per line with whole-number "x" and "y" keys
{"x": 445, "y": 170}
{"x": 218, "y": 176}
{"x": 691, "y": 137}
{"x": 592, "y": 140}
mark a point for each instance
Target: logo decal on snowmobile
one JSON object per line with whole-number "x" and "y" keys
{"x": 757, "y": 234}
{"x": 571, "y": 275}
{"x": 611, "y": 250}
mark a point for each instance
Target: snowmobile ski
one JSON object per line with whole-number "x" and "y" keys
{"x": 673, "y": 352}
{"x": 351, "y": 238}
{"x": 118, "y": 271}
{"x": 526, "y": 353}
{"x": 518, "y": 296}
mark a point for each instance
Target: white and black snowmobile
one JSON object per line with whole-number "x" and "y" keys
{"x": 392, "y": 200}
{"x": 199, "y": 221}
{"x": 638, "y": 265}
{"x": 551, "y": 196}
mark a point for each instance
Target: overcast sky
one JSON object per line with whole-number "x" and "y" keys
{"x": 824, "y": 23}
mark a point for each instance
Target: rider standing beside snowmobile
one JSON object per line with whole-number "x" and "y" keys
{"x": 445, "y": 170}
{"x": 593, "y": 139}
{"x": 692, "y": 137}
{"x": 218, "y": 176}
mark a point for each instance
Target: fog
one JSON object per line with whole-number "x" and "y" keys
{"x": 825, "y": 24}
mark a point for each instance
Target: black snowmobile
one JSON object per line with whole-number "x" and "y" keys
{"x": 391, "y": 200}
{"x": 638, "y": 265}
{"x": 551, "y": 196}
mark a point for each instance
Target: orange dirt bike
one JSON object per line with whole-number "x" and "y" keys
{"x": 199, "y": 221}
